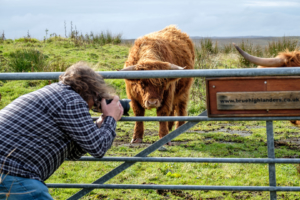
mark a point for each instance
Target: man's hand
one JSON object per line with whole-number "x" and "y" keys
{"x": 114, "y": 109}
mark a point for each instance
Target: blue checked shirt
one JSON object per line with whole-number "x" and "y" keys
{"x": 47, "y": 126}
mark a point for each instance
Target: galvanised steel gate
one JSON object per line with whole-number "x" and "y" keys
{"x": 142, "y": 156}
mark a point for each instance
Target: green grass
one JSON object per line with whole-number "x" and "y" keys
{"x": 59, "y": 54}
{"x": 206, "y": 139}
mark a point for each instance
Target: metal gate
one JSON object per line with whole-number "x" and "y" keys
{"x": 192, "y": 120}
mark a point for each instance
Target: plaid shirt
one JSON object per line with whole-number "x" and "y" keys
{"x": 47, "y": 126}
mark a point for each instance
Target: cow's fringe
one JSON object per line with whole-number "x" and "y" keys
{"x": 291, "y": 58}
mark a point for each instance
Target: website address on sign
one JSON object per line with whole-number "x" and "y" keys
{"x": 259, "y": 100}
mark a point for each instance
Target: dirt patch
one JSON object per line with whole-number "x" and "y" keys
{"x": 149, "y": 132}
{"x": 101, "y": 196}
{"x": 178, "y": 193}
{"x": 241, "y": 133}
{"x": 225, "y": 142}
{"x": 187, "y": 196}
{"x": 140, "y": 145}
{"x": 143, "y": 145}
{"x": 291, "y": 143}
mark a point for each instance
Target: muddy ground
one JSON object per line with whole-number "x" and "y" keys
{"x": 291, "y": 142}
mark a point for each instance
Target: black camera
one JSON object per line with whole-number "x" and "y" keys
{"x": 123, "y": 102}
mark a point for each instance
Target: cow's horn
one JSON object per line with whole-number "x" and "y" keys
{"x": 130, "y": 68}
{"x": 176, "y": 67}
{"x": 268, "y": 62}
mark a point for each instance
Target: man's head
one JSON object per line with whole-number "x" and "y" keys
{"x": 86, "y": 82}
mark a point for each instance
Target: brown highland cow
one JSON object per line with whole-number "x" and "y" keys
{"x": 283, "y": 59}
{"x": 168, "y": 49}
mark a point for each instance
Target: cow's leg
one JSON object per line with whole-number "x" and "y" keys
{"x": 182, "y": 97}
{"x": 181, "y": 110}
{"x": 138, "y": 132}
{"x": 170, "y": 124}
{"x": 163, "y": 126}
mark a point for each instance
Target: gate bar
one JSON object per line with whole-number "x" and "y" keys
{"x": 288, "y": 71}
{"x": 271, "y": 154}
{"x": 192, "y": 160}
{"x": 205, "y": 118}
{"x": 173, "y": 187}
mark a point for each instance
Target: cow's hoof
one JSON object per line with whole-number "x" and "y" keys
{"x": 137, "y": 140}
{"x": 162, "y": 148}
{"x": 169, "y": 144}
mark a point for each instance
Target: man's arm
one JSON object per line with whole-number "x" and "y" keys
{"x": 76, "y": 152}
{"x": 76, "y": 121}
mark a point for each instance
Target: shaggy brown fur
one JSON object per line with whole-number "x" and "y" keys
{"x": 291, "y": 59}
{"x": 169, "y": 96}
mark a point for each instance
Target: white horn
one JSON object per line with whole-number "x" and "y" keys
{"x": 268, "y": 62}
{"x": 176, "y": 67}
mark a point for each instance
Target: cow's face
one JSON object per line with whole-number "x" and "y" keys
{"x": 150, "y": 93}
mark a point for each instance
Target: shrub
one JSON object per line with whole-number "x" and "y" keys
{"x": 58, "y": 64}
{"x": 8, "y": 41}
{"x": 227, "y": 48}
{"x": 27, "y": 60}
{"x": 95, "y": 39}
{"x": 56, "y": 38}
{"x": 207, "y": 46}
{"x": 27, "y": 40}
{"x": 117, "y": 39}
{"x": 275, "y": 47}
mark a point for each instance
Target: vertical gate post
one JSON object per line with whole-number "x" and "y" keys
{"x": 271, "y": 154}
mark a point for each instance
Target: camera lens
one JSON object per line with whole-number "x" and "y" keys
{"x": 124, "y": 102}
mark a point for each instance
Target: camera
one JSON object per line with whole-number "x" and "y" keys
{"x": 123, "y": 102}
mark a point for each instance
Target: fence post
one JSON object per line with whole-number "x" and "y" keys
{"x": 271, "y": 154}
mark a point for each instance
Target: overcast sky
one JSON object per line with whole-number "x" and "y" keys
{"x": 135, "y": 18}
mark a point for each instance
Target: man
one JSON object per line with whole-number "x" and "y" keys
{"x": 39, "y": 130}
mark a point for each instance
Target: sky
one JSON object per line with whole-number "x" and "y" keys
{"x": 135, "y": 18}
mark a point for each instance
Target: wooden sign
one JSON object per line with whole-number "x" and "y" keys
{"x": 253, "y": 96}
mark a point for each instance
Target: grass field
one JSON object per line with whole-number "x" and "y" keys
{"x": 206, "y": 139}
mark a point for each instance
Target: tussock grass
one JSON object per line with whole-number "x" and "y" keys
{"x": 80, "y": 40}
{"x": 27, "y": 60}
{"x": 59, "y": 54}
{"x": 274, "y": 47}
